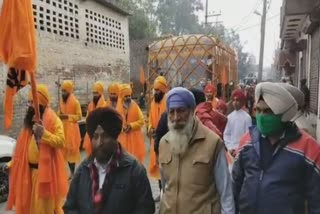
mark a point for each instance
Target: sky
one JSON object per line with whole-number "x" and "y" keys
{"x": 238, "y": 14}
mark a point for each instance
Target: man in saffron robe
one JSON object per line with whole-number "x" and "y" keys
{"x": 70, "y": 114}
{"x": 158, "y": 106}
{"x": 131, "y": 137}
{"x": 211, "y": 92}
{"x": 113, "y": 93}
{"x": 38, "y": 177}
{"x": 98, "y": 101}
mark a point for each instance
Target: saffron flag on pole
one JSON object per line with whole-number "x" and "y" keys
{"x": 18, "y": 51}
{"x": 142, "y": 77}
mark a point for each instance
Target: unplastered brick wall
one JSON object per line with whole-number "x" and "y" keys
{"x": 79, "y": 40}
{"x": 314, "y": 71}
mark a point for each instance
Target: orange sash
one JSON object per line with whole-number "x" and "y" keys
{"x": 53, "y": 179}
{"x": 156, "y": 110}
{"x": 70, "y": 125}
{"x": 87, "y": 143}
{"x": 20, "y": 183}
{"x": 133, "y": 141}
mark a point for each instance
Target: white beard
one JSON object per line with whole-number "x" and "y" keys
{"x": 179, "y": 138}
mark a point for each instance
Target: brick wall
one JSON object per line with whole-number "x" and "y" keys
{"x": 79, "y": 40}
{"x": 314, "y": 70}
{"x": 138, "y": 58}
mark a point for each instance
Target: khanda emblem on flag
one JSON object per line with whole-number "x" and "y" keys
{"x": 16, "y": 79}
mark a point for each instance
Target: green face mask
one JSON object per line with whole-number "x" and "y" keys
{"x": 270, "y": 124}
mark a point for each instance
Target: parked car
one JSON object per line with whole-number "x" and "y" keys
{"x": 7, "y": 145}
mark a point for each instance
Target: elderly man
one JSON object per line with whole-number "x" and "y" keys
{"x": 300, "y": 120}
{"x": 277, "y": 168}
{"x": 158, "y": 106}
{"x": 192, "y": 159}
{"x": 113, "y": 92}
{"x": 131, "y": 137}
{"x": 111, "y": 180}
{"x": 98, "y": 101}
{"x": 70, "y": 114}
{"x": 38, "y": 177}
{"x": 238, "y": 123}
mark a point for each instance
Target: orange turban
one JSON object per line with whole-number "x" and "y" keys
{"x": 125, "y": 90}
{"x": 210, "y": 89}
{"x": 43, "y": 95}
{"x": 114, "y": 88}
{"x": 98, "y": 87}
{"x": 160, "y": 83}
{"x": 68, "y": 86}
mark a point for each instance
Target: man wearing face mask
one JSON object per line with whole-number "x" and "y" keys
{"x": 110, "y": 180}
{"x": 131, "y": 137}
{"x": 97, "y": 102}
{"x": 277, "y": 167}
{"x": 38, "y": 178}
{"x": 113, "y": 92}
{"x": 70, "y": 114}
{"x": 158, "y": 106}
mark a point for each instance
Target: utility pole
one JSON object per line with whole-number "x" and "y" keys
{"x": 207, "y": 15}
{"x": 263, "y": 31}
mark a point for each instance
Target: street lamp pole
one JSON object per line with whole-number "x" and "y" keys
{"x": 263, "y": 31}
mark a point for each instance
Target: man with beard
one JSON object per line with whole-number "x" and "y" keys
{"x": 158, "y": 106}
{"x": 38, "y": 178}
{"x": 113, "y": 92}
{"x": 192, "y": 159}
{"x": 70, "y": 114}
{"x": 131, "y": 137}
{"x": 97, "y": 102}
{"x": 211, "y": 92}
{"x": 110, "y": 180}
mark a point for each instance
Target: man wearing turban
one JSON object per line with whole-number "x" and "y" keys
{"x": 131, "y": 137}
{"x": 211, "y": 92}
{"x": 238, "y": 123}
{"x": 193, "y": 162}
{"x": 113, "y": 92}
{"x": 276, "y": 161}
{"x": 70, "y": 114}
{"x": 300, "y": 120}
{"x": 98, "y": 101}
{"x": 158, "y": 106}
{"x": 110, "y": 180}
{"x": 38, "y": 177}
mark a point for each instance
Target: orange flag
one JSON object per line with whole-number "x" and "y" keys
{"x": 17, "y": 50}
{"x": 142, "y": 77}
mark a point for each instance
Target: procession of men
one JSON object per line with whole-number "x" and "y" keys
{"x": 203, "y": 160}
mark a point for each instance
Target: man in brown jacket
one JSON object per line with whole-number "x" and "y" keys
{"x": 192, "y": 159}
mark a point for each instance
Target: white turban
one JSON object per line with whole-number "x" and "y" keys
{"x": 278, "y": 99}
{"x": 295, "y": 92}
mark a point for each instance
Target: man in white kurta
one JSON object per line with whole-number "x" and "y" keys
{"x": 238, "y": 123}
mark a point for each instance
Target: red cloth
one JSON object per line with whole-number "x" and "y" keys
{"x": 222, "y": 106}
{"x": 239, "y": 94}
{"x": 210, "y": 89}
{"x": 211, "y": 118}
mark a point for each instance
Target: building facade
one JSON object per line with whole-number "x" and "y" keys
{"x": 81, "y": 40}
{"x": 299, "y": 57}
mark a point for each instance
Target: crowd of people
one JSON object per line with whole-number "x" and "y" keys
{"x": 254, "y": 154}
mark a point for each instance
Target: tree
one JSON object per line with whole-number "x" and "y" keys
{"x": 178, "y": 16}
{"x": 141, "y": 23}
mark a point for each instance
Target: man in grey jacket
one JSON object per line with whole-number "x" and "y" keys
{"x": 192, "y": 159}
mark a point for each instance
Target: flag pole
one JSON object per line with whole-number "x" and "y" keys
{"x": 35, "y": 98}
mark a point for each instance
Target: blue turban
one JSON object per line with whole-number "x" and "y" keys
{"x": 180, "y": 98}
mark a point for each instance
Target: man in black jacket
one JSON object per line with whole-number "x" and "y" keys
{"x": 110, "y": 180}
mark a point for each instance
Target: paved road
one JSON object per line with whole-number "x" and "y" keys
{"x": 154, "y": 183}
